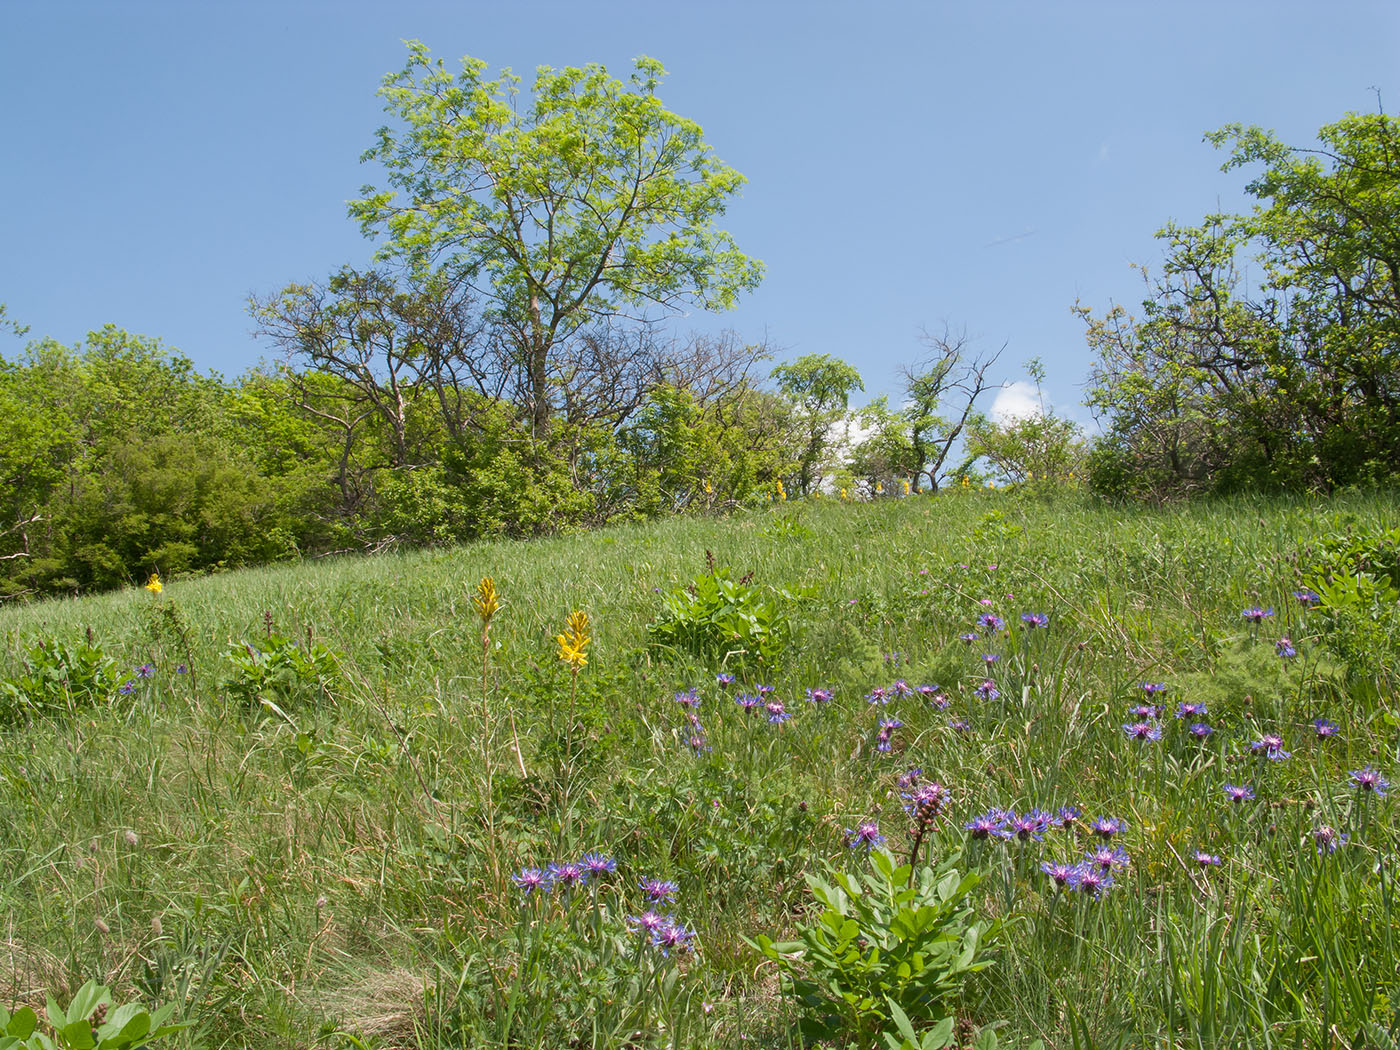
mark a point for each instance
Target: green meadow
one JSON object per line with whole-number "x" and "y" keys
{"x": 316, "y": 804}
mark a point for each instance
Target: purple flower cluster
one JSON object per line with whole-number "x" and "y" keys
{"x": 1091, "y": 876}
{"x": 1270, "y": 746}
{"x": 1255, "y": 615}
{"x": 887, "y": 728}
{"x": 568, "y": 875}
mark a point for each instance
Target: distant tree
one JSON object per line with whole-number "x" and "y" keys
{"x": 1293, "y": 382}
{"x": 940, "y": 397}
{"x": 1039, "y": 447}
{"x": 592, "y": 202}
{"x": 819, "y": 388}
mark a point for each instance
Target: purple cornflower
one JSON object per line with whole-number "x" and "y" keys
{"x": 597, "y": 864}
{"x": 659, "y": 890}
{"x": 1191, "y": 710}
{"x": 878, "y": 695}
{"x": 1206, "y": 860}
{"x": 1066, "y": 816}
{"x": 1145, "y": 712}
{"x": 128, "y": 687}
{"x": 1256, "y": 615}
{"x": 887, "y": 728}
{"x": 1325, "y": 728}
{"x": 1200, "y": 730}
{"x": 1238, "y": 793}
{"x": 764, "y": 690}
{"x": 988, "y": 690}
{"x": 901, "y": 687}
{"x": 865, "y": 836}
{"x": 698, "y": 743}
{"x": 990, "y": 658}
{"x": 1107, "y": 827}
{"x": 689, "y": 699}
{"x": 1108, "y": 858}
{"x": 748, "y": 703}
{"x": 648, "y": 922}
{"x": 1270, "y": 745}
{"x": 181, "y": 669}
{"x": 1092, "y": 880}
{"x": 1284, "y": 648}
{"x": 1153, "y": 688}
{"x": 909, "y": 777}
{"x": 1328, "y": 839}
{"x": 531, "y": 880}
{"x": 1307, "y": 598}
{"x": 926, "y": 802}
{"x": 776, "y": 714}
{"x": 967, "y": 639}
{"x": 988, "y": 824}
{"x": 672, "y": 937}
{"x": 1027, "y": 826}
{"x": 1142, "y": 731}
{"x": 819, "y": 696}
{"x": 145, "y": 670}
{"x": 936, "y": 699}
{"x": 1369, "y": 779}
{"x": 1034, "y": 620}
{"x": 569, "y": 875}
{"x": 959, "y": 725}
{"x": 724, "y": 681}
{"x": 1062, "y": 873}
{"x": 990, "y": 623}
{"x": 893, "y": 658}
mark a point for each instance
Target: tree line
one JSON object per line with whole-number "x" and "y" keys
{"x": 507, "y": 364}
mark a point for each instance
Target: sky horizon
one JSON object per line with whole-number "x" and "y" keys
{"x": 908, "y": 165}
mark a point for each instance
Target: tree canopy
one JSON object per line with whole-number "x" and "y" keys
{"x": 590, "y": 202}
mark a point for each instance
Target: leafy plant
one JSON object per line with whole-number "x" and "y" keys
{"x": 59, "y": 677}
{"x": 887, "y": 946}
{"x": 718, "y": 616}
{"x": 88, "y": 1023}
{"x": 280, "y": 670}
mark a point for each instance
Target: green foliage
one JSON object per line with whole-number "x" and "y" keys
{"x": 893, "y": 939}
{"x": 1042, "y": 448}
{"x": 723, "y": 619}
{"x": 591, "y": 199}
{"x": 59, "y": 677}
{"x": 279, "y": 672}
{"x": 88, "y": 1023}
{"x": 819, "y": 387}
{"x": 1217, "y": 386}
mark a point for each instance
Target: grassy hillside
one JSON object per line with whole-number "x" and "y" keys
{"x": 288, "y": 806}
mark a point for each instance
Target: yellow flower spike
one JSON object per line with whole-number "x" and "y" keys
{"x": 843, "y": 494}
{"x": 574, "y": 641}
{"x": 905, "y": 483}
{"x": 154, "y": 585}
{"x": 487, "y": 601}
{"x": 782, "y": 492}
{"x": 879, "y": 488}
{"x": 709, "y": 489}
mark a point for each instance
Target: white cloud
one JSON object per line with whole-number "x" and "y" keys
{"x": 1018, "y": 400}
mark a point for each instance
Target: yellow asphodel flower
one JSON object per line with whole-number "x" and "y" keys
{"x": 879, "y": 488}
{"x": 905, "y": 483}
{"x": 154, "y": 585}
{"x": 709, "y": 489}
{"x": 573, "y": 642}
{"x": 782, "y": 492}
{"x": 966, "y": 481}
{"x": 487, "y": 601}
{"x": 843, "y": 494}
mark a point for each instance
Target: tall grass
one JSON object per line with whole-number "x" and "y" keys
{"x": 333, "y": 866}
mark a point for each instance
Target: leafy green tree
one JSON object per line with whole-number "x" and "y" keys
{"x": 819, "y": 387}
{"x": 591, "y": 202}
{"x": 917, "y": 439}
{"x": 1290, "y": 383}
{"x": 1040, "y": 447}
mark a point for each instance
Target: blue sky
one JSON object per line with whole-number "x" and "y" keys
{"x": 983, "y": 165}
